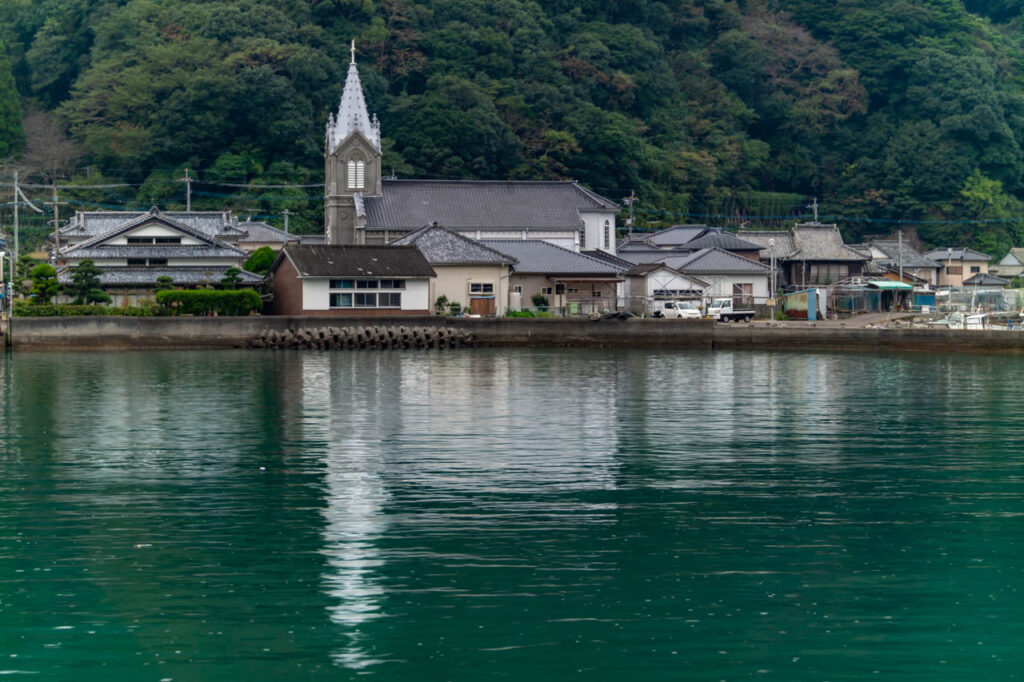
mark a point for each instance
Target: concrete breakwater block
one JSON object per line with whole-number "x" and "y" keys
{"x": 364, "y": 338}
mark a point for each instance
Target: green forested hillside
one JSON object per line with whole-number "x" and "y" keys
{"x": 908, "y": 110}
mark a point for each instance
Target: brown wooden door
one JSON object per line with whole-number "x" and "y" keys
{"x": 481, "y": 306}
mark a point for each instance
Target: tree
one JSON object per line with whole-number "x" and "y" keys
{"x": 231, "y": 278}
{"x": 48, "y": 149}
{"x": 11, "y": 136}
{"x": 164, "y": 283}
{"x": 260, "y": 260}
{"x": 44, "y": 283}
{"x": 85, "y": 284}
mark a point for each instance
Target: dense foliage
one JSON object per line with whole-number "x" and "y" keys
{"x": 209, "y": 301}
{"x": 909, "y": 110}
{"x": 23, "y": 308}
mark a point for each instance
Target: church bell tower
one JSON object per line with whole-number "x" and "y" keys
{"x": 352, "y": 157}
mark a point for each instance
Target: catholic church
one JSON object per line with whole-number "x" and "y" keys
{"x": 363, "y": 207}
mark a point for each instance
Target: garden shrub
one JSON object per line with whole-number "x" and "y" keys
{"x": 210, "y": 301}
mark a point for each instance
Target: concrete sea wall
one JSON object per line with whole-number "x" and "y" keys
{"x": 120, "y": 333}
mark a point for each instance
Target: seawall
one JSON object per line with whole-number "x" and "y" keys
{"x": 123, "y": 333}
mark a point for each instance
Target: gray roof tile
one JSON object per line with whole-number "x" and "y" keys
{"x": 540, "y": 257}
{"x": 784, "y": 244}
{"x": 181, "y": 276}
{"x": 722, "y": 240}
{"x": 677, "y": 235}
{"x": 170, "y": 251}
{"x": 958, "y": 253}
{"x": 356, "y": 261}
{"x": 715, "y": 261}
{"x": 444, "y": 247}
{"x": 816, "y": 242}
{"x": 481, "y": 205}
{"x": 891, "y": 249}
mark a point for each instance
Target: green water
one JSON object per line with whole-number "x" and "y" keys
{"x": 536, "y": 515}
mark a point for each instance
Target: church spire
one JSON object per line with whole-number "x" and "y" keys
{"x": 352, "y": 113}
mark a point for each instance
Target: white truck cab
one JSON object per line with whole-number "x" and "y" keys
{"x": 722, "y": 309}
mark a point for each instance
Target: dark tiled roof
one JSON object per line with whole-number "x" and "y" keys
{"x": 357, "y": 261}
{"x": 181, "y": 276}
{"x": 540, "y": 257}
{"x": 983, "y": 279}
{"x": 94, "y": 223}
{"x": 312, "y": 239}
{"x": 721, "y": 240}
{"x": 959, "y": 253}
{"x": 170, "y": 251}
{"x": 816, "y": 242}
{"x": 481, "y": 205}
{"x": 608, "y": 258}
{"x": 444, "y": 247}
{"x": 891, "y": 249}
{"x": 716, "y": 262}
{"x": 262, "y": 233}
{"x": 677, "y": 235}
{"x": 651, "y": 255}
{"x": 783, "y": 242}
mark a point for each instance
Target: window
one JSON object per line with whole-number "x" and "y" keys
{"x": 481, "y": 288}
{"x": 596, "y": 294}
{"x": 158, "y": 261}
{"x": 166, "y": 240}
{"x": 742, "y": 295}
{"x": 389, "y": 300}
{"x": 517, "y": 288}
{"x": 574, "y": 290}
{"x": 547, "y": 291}
{"x": 366, "y": 300}
{"x": 147, "y": 261}
{"x": 343, "y": 284}
{"x": 366, "y": 284}
{"x": 356, "y": 175}
{"x": 392, "y": 284}
{"x": 583, "y": 238}
{"x": 140, "y": 240}
{"x": 136, "y": 261}
{"x": 607, "y": 234}
{"x": 341, "y": 300}
{"x": 975, "y": 269}
{"x": 954, "y": 269}
{"x": 827, "y": 273}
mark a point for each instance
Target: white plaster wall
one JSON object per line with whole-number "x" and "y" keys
{"x": 566, "y": 239}
{"x": 453, "y": 281}
{"x": 594, "y": 222}
{"x": 721, "y": 285}
{"x": 154, "y": 231}
{"x": 416, "y": 295}
{"x": 315, "y": 294}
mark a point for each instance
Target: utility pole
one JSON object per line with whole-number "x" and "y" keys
{"x": 188, "y": 190}
{"x": 15, "y": 219}
{"x": 286, "y": 214}
{"x": 629, "y": 201}
{"x": 56, "y": 222}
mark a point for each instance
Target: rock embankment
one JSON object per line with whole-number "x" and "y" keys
{"x": 364, "y": 338}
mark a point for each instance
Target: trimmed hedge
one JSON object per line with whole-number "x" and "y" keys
{"x": 27, "y": 309}
{"x": 210, "y": 301}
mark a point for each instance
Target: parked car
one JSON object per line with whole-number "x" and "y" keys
{"x": 722, "y": 309}
{"x": 677, "y": 310}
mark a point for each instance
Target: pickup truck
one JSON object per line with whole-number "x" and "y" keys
{"x": 721, "y": 309}
{"x": 676, "y": 310}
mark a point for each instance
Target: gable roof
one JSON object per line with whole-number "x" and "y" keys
{"x": 90, "y": 224}
{"x": 783, "y": 242}
{"x": 817, "y": 242}
{"x": 718, "y": 239}
{"x": 647, "y": 269}
{"x": 481, "y": 205}
{"x": 941, "y": 256}
{"x": 153, "y": 216}
{"x": 261, "y": 232}
{"x": 985, "y": 279}
{"x": 676, "y": 235}
{"x": 355, "y": 261}
{"x": 444, "y": 247}
{"x": 715, "y": 261}
{"x": 534, "y": 256}
{"x": 891, "y": 249}
{"x": 1014, "y": 257}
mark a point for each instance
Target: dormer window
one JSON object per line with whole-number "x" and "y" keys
{"x": 356, "y": 174}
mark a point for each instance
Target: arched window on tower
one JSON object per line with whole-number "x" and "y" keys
{"x": 356, "y": 174}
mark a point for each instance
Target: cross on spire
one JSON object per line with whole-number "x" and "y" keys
{"x": 353, "y": 49}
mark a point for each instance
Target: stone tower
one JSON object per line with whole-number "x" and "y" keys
{"x": 352, "y": 157}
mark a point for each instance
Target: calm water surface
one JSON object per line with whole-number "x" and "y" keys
{"x": 597, "y": 515}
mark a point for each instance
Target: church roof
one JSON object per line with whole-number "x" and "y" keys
{"x": 481, "y": 205}
{"x": 356, "y": 261}
{"x": 444, "y": 247}
{"x": 352, "y": 115}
